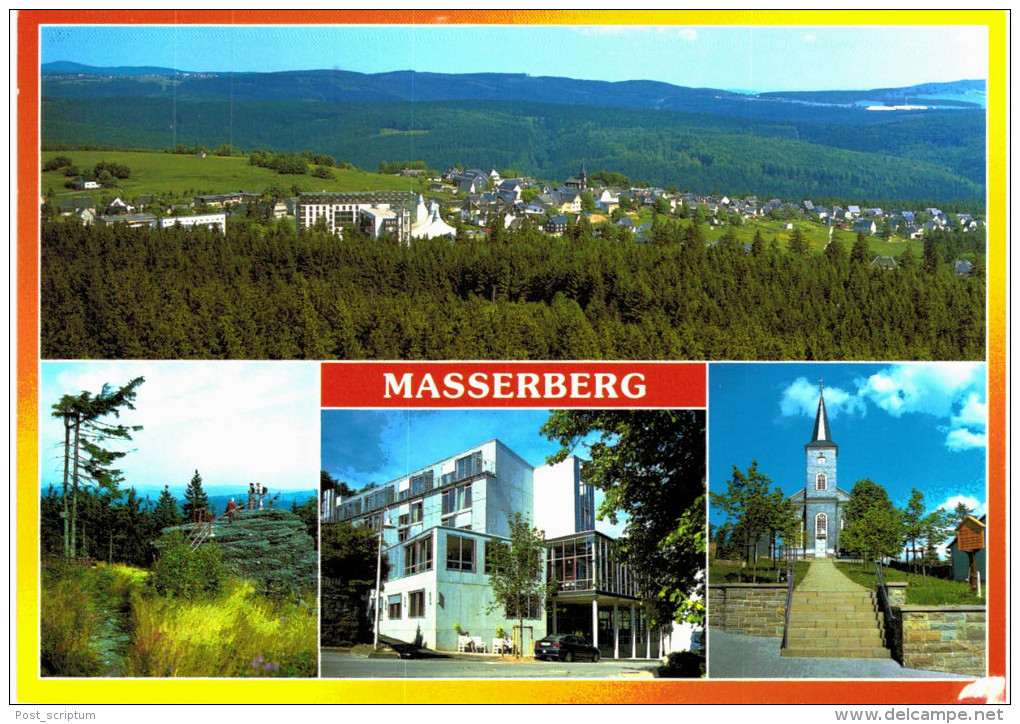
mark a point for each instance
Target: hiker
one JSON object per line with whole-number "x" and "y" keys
{"x": 262, "y": 496}
{"x": 251, "y": 496}
{"x": 231, "y": 511}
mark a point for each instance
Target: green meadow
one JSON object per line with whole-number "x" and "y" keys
{"x": 180, "y": 174}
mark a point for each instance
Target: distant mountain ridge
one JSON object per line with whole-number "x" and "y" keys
{"x": 408, "y": 85}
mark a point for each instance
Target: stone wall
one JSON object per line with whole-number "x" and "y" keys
{"x": 757, "y": 609}
{"x": 940, "y": 638}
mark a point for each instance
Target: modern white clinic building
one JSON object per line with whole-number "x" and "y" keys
{"x": 437, "y": 524}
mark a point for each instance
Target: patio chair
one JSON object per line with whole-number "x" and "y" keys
{"x": 465, "y": 643}
{"x": 478, "y": 643}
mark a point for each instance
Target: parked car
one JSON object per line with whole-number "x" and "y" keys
{"x": 565, "y": 647}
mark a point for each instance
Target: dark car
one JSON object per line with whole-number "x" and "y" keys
{"x": 565, "y": 647}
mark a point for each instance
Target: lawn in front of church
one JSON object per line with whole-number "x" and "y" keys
{"x": 720, "y": 571}
{"x": 921, "y": 590}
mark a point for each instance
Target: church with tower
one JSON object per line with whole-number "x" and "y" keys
{"x": 821, "y": 503}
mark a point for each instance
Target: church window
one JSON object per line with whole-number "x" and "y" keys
{"x": 821, "y": 482}
{"x": 821, "y": 526}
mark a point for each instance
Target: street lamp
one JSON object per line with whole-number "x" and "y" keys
{"x": 378, "y": 580}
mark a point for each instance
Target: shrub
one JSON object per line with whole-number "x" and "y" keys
{"x": 185, "y": 573}
{"x": 322, "y": 172}
{"x": 683, "y": 665}
{"x": 69, "y": 621}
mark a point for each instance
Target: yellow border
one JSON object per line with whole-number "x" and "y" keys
{"x": 31, "y": 689}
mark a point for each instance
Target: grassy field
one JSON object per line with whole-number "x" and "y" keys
{"x": 921, "y": 591}
{"x": 816, "y": 234}
{"x": 727, "y": 572}
{"x": 106, "y": 621}
{"x": 187, "y": 175}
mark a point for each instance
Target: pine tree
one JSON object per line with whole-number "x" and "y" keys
{"x": 194, "y": 497}
{"x": 86, "y": 460}
{"x": 166, "y": 513}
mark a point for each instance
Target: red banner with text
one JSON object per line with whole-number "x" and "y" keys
{"x": 514, "y": 384}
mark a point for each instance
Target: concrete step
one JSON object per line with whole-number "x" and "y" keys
{"x": 833, "y": 594}
{"x": 833, "y": 616}
{"x": 869, "y": 652}
{"x": 860, "y": 640}
{"x": 832, "y": 634}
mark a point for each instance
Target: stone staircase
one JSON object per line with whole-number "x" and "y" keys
{"x": 836, "y": 624}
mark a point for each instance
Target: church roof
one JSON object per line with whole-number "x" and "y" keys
{"x": 822, "y": 435}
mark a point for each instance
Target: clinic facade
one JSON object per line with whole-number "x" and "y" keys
{"x": 438, "y": 523}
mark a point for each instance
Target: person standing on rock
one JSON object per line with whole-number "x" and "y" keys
{"x": 262, "y": 496}
{"x": 231, "y": 511}
{"x": 251, "y": 496}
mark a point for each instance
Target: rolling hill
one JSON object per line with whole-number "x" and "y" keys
{"x": 791, "y": 145}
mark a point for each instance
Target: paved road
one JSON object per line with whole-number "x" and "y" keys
{"x": 737, "y": 656}
{"x": 343, "y": 665}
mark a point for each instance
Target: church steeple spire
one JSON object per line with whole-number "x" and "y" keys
{"x": 821, "y": 434}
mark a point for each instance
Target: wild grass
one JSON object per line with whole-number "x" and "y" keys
{"x": 238, "y": 633}
{"x": 77, "y": 603}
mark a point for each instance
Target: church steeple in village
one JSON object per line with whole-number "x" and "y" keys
{"x": 821, "y": 435}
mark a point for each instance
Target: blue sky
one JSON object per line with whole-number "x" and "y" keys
{"x": 733, "y": 58}
{"x": 902, "y": 425}
{"x": 365, "y": 446}
{"x": 235, "y": 422}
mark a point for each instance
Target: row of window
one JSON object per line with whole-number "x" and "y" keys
{"x": 460, "y": 554}
{"x": 530, "y": 607}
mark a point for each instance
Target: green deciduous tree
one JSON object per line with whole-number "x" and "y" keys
{"x": 348, "y": 567}
{"x": 650, "y": 464}
{"x": 874, "y": 528}
{"x": 517, "y": 574}
{"x": 757, "y": 512}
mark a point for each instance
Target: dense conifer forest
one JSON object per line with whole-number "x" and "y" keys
{"x": 268, "y": 292}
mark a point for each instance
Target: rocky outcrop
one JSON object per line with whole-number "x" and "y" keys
{"x": 271, "y": 547}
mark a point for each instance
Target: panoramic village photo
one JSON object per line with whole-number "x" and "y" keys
{"x": 621, "y": 192}
{"x": 513, "y": 543}
{"x": 848, "y": 521}
{"x": 178, "y": 535}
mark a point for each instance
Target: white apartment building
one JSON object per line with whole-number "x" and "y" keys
{"x": 213, "y": 222}
{"x": 446, "y": 515}
{"x": 376, "y": 213}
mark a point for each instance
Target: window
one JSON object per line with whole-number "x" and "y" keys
{"x": 416, "y": 604}
{"x": 418, "y": 556}
{"x": 488, "y": 551}
{"x": 393, "y": 609}
{"x": 821, "y": 482}
{"x": 405, "y": 519}
{"x": 468, "y": 465}
{"x": 416, "y": 511}
{"x": 455, "y": 499}
{"x": 421, "y": 484}
{"x": 460, "y": 553}
{"x": 821, "y": 526}
{"x": 531, "y": 605}
{"x": 402, "y": 535}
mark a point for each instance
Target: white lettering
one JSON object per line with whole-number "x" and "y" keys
{"x": 393, "y": 386}
{"x": 478, "y": 381}
{"x": 454, "y": 381}
{"x": 638, "y": 390}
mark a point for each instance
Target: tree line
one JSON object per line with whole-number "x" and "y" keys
{"x": 266, "y": 291}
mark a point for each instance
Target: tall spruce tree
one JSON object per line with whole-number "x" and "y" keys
{"x": 194, "y": 497}
{"x": 166, "y": 513}
{"x": 88, "y": 459}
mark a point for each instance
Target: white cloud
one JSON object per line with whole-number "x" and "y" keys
{"x": 961, "y": 439}
{"x": 810, "y": 38}
{"x": 951, "y": 391}
{"x": 801, "y": 398}
{"x": 235, "y": 422}
{"x": 970, "y": 501}
{"x": 688, "y": 35}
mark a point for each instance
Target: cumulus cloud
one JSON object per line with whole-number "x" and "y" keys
{"x": 801, "y": 399}
{"x": 951, "y": 391}
{"x": 970, "y": 501}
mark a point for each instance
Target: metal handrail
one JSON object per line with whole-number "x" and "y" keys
{"x": 885, "y": 593}
{"x": 789, "y": 600}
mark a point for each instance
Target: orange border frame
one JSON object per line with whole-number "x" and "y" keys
{"x": 30, "y": 688}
